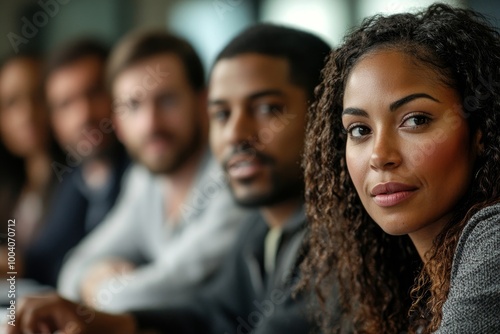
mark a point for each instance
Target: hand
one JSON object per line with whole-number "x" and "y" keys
{"x": 100, "y": 273}
{"x": 49, "y": 313}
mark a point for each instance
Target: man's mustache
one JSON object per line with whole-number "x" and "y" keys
{"x": 160, "y": 135}
{"x": 250, "y": 151}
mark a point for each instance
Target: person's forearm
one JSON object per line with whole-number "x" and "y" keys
{"x": 102, "y": 274}
{"x": 105, "y": 323}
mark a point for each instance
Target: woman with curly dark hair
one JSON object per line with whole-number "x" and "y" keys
{"x": 401, "y": 167}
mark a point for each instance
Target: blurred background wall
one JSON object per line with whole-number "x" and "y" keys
{"x": 39, "y": 25}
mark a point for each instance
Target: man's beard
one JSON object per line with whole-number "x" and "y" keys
{"x": 174, "y": 162}
{"x": 282, "y": 186}
{"x": 280, "y": 191}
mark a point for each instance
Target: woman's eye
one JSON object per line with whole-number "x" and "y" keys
{"x": 358, "y": 131}
{"x": 416, "y": 121}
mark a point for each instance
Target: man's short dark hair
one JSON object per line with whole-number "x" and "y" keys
{"x": 304, "y": 51}
{"x": 145, "y": 44}
{"x": 74, "y": 51}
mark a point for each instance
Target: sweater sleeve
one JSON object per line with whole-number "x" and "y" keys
{"x": 215, "y": 308}
{"x": 187, "y": 261}
{"x": 473, "y": 304}
{"x": 116, "y": 237}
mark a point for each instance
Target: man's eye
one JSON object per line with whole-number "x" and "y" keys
{"x": 133, "y": 105}
{"x": 220, "y": 115}
{"x": 267, "y": 109}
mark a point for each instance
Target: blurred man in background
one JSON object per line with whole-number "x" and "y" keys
{"x": 176, "y": 220}
{"x": 90, "y": 175}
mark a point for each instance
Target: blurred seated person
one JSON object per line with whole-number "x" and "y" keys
{"x": 89, "y": 176}
{"x": 176, "y": 220}
{"x": 27, "y": 149}
{"x": 259, "y": 91}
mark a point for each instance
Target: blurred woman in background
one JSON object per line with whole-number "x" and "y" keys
{"x": 27, "y": 148}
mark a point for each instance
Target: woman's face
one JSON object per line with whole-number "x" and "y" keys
{"x": 409, "y": 150}
{"x": 23, "y": 117}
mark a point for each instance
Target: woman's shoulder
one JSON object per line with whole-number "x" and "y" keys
{"x": 480, "y": 237}
{"x": 483, "y": 227}
{"x": 473, "y": 299}
{"x": 478, "y": 248}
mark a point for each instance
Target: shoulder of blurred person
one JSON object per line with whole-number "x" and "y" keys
{"x": 88, "y": 173}
{"x": 74, "y": 211}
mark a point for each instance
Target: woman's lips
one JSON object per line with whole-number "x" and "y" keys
{"x": 392, "y": 193}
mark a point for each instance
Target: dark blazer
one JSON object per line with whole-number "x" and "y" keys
{"x": 74, "y": 211}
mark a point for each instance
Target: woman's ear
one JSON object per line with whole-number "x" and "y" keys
{"x": 478, "y": 143}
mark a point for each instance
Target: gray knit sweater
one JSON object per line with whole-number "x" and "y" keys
{"x": 473, "y": 304}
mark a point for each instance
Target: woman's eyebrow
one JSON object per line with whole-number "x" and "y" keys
{"x": 397, "y": 104}
{"x": 394, "y": 105}
{"x": 354, "y": 112}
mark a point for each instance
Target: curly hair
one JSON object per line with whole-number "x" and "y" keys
{"x": 373, "y": 270}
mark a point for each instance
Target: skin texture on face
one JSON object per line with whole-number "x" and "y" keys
{"x": 159, "y": 117}
{"x": 257, "y": 126}
{"x": 78, "y": 101}
{"x": 23, "y": 116}
{"x": 409, "y": 150}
